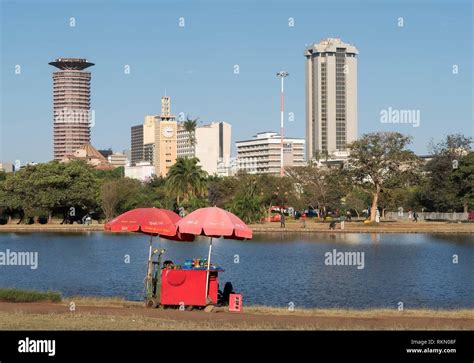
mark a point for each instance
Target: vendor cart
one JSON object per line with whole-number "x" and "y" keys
{"x": 170, "y": 285}
{"x": 175, "y": 287}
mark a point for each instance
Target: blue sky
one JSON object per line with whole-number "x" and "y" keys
{"x": 407, "y": 67}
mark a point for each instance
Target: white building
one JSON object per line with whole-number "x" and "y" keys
{"x": 142, "y": 171}
{"x": 118, "y": 159}
{"x": 227, "y": 167}
{"x": 262, "y": 154}
{"x": 7, "y": 167}
{"x": 212, "y": 145}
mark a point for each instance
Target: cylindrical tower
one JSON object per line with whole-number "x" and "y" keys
{"x": 71, "y": 105}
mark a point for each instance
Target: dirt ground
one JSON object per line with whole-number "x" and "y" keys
{"x": 134, "y": 316}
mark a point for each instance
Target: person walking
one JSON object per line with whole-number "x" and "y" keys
{"x": 282, "y": 220}
{"x": 348, "y": 216}
{"x": 415, "y": 216}
{"x": 303, "y": 219}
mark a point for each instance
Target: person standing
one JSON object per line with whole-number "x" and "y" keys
{"x": 282, "y": 220}
{"x": 303, "y": 219}
{"x": 348, "y": 216}
{"x": 377, "y": 216}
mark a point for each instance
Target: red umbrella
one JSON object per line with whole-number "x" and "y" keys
{"x": 151, "y": 221}
{"x": 213, "y": 222}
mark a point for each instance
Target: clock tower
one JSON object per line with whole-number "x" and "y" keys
{"x": 165, "y": 139}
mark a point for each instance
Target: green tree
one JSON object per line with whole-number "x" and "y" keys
{"x": 10, "y": 202}
{"x": 190, "y": 126}
{"x": 118, "y": 196}
{"x": 454, "y": 146}
{"x": 186, "y": 179}
{"x": 381, "y": 160}
{"x": 221, "y": 190}
{"x": 440, "y": 190}
{"x": 274, "y": 190}
{"x": 463, "y": 178}
{"x": 319, "y": 187}
{"x": 109, "y": 174}
{"x": 357, "y": 200}
{"x": 40, "y": 189}
{"x": 247, "y": 204}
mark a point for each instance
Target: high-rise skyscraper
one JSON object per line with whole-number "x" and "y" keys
{"x": 71, "y": 105}
{"x": 136, "y": 146}
{"x": 331, "y": 96}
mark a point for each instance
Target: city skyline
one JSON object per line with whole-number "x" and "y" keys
{"x": 409, "y": 67}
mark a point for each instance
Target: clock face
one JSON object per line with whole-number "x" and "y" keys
{"x": 168, "y": 131}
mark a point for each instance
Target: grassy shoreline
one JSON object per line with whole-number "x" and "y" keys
{"x": 273, "y": 227}
{"x": 123, "y": 315}
{"x": 115, "y": 313}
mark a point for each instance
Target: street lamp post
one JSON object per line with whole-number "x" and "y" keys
{"x": 282, "y": 75}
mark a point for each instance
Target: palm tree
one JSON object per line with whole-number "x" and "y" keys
{"x": 186, "y": 179}
{"x": 190, "y": 127}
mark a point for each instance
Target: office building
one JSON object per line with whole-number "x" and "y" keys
{"x": 331, "y": 97}
{"x": 71, "y": 105}
{"x": 212, "y": 143}
{"x": 136, "y": 146}
{"x": 149, "y": 138}
{"x": 262, "y": 154}
{"x": 128, "y": 154}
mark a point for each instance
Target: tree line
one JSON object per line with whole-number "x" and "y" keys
{"x": 381, "y": 173}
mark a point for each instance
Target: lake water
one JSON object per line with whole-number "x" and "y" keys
{"x": 272, "y": 269}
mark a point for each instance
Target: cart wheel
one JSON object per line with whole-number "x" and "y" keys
{"x": 209, "y": 308}
{"x": 151, "y": 303}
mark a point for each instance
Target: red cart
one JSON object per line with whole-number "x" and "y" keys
{"x": 188, "y": 287}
